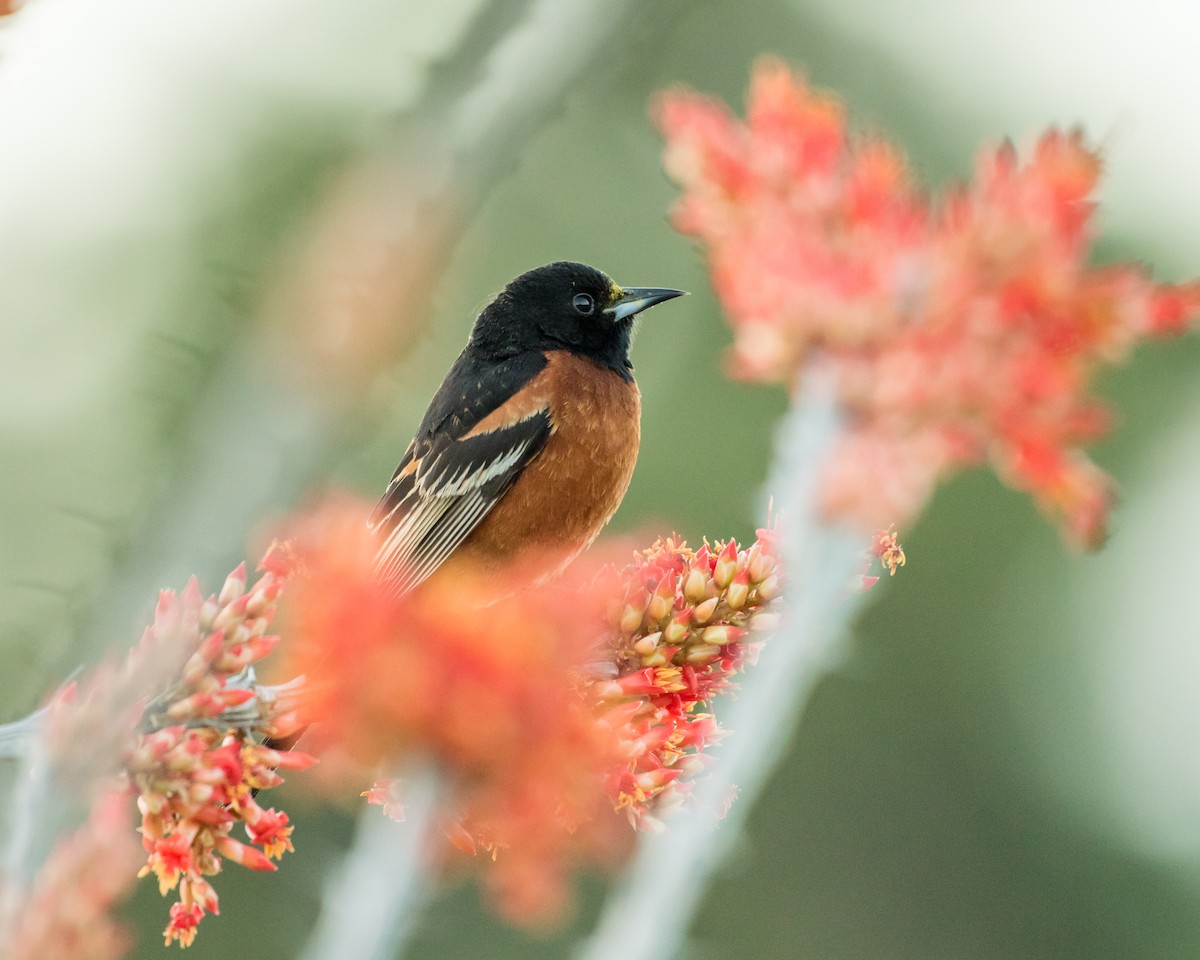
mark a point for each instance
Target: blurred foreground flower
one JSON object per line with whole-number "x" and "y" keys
{"x": 68, "y": 911}
{"x": 191, "y": 753}
{"x": 545, "y": 709}
{"x": 960, "y": 329}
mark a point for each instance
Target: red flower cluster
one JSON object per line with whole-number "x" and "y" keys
{"x": 961, "y": 329}
{"x": 685, "y": 623}
{"x": 196, "y": 778}
{"x": 195, "y": 786}
{"x": 543, "y": 708}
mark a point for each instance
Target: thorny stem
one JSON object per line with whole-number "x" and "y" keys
{"x": 16, "y": 737}
{"x": 22, "y": 741}
{"x": 372, "y": 904}
{"x": 28, "y": 801}
{"x": 821, "y": 564}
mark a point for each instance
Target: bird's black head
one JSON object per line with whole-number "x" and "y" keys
{"x": 566, "y": 306}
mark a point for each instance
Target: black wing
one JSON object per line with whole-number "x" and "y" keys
{"x": 449, "y": 479}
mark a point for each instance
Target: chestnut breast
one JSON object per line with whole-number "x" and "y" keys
{"x": 571, "y": 489}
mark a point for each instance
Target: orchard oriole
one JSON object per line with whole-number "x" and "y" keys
{"x": 530, "y": 441}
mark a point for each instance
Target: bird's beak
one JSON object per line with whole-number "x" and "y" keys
{"x": 634, "y": 300}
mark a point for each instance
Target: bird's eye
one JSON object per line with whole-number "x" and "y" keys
{"x": 583, "y": 303}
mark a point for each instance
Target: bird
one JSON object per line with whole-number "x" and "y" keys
{"x": 528, "y": 446}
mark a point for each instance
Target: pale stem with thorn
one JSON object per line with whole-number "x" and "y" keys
{"x": 821, "y": 563}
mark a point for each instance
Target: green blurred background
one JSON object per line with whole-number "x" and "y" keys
{"x": 201, "y": 210}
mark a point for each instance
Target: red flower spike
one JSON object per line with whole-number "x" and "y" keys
{"x": 195, "y": 778}
{"x": 958, "y": 330}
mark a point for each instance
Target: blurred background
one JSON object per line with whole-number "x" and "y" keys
{"x": 243, "y": 241}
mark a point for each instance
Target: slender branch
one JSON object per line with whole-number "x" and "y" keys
{"x": 373, "y": 903}
{"x": 28, "y": 800}
{"x": 821, "y": 564}
{"x": 16, "y": 737}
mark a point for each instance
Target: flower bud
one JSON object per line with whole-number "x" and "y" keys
{"x": 726, "y": 566}
{"x": 769, "y": 589}
{"x": 663, "y": 600}
{"x": 704, "y": 611}
{"x": 631, "y": 618}
{"x": 235, "y": 586}
{"x": 703, "y": 652}
{"x": 231, "y": 614}
{"x": 647, "y": 645}
{"x": 739, "y": 590}
{"x": 694, "y": 585}
{"x": 676, "y": 631}
{"x": 205, "y": 655}
{"x": 761, "y": 565}
{"x": 764, "y": 622}
{"x": 240, "y": 853}
{"x": 722, "y": 634}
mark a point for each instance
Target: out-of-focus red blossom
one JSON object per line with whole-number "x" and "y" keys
{"x": 68, "y": 912}
{"x": 490, "y": 692}
{"x": 546, "y": 708}
{"x": 963, "y": 328}
{"x": 389, "y": 794}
